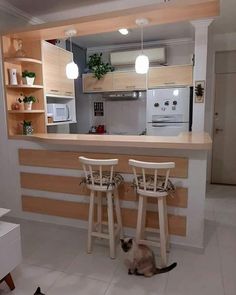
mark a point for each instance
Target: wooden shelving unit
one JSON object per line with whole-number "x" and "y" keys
{"x": 32, "y": 63}
{"x": 25, "y": 86}
{"x": 26, "y": 112}
{"x": 20, "y": 60}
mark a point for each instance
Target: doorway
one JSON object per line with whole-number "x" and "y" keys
{"x": 224, "y": 138}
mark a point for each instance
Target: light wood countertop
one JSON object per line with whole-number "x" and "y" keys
{"x": 187, "y": 140}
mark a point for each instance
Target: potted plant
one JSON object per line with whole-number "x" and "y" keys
{"x": 98, "y": 67}
{"x": 28, "y": 78}
{"x": 28, "y": 101}
{"x": 27, "y": 127}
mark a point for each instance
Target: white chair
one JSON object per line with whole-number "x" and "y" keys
{"x": 101, "y": 178}
{"x": 150, "y": 182}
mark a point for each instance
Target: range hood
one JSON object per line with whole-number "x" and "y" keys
{"x": 122, "y": 95}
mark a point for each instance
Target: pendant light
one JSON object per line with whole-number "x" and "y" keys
{"x": 142, "y": 61}
{"x": 72, "y": 70}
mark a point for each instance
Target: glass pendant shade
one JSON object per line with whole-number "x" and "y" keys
{"x": 142, "y": 64}
{"x": 72, "y": 71}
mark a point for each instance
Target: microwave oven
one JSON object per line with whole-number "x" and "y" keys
{"x": 59, "y": 112}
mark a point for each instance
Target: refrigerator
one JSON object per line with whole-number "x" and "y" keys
{"x": 169, "y": 111}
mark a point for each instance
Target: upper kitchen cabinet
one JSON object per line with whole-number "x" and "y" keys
{"x": 55, "y": 60}
{"x": 91, "y": 84}
{"x": 128, "y": 80}
{"x": 67, "y": 85}
{"x": 170, "y": 76}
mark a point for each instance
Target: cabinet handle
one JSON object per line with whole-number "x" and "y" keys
{"x": 68, "y": 92}
{"x": 97, "y": 88}
{"x": 53, "y": 90}
{"x": 168, "y": 83}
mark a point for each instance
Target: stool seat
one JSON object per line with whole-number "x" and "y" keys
{"x": 105, "y": 181}
{"x": 150, "y": 184}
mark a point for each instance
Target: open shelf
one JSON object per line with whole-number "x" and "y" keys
{"x": 60, "y": 123}
{"x": 22, "y": 60}
{"x": 26, "y": 112}
{"x": 24, "y": 86}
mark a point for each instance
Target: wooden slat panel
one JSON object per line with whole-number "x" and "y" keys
{"x": 71, "y": 185}
{"x": 69, "y": 160}
{"x": 76, "y": 210}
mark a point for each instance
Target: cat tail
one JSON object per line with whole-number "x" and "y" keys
{"x": 166, "y": 269}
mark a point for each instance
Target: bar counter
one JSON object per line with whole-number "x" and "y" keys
{"x": 188, "y": 140}
{"x": 50, "y": 174}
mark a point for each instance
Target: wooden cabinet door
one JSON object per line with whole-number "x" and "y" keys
{"x": 170, "y": 76}
{"x": 91, "y": 84}
{"x": 129, "y": 80}
{"x": 51, "y": 68}
{"x": 66, "y": 85}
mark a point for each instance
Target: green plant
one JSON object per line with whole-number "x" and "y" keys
{"x": 98, "y": 67}
{"x": 199, "y": 90}
{"x": 27, "y": 99}
{"x": 28, "y": 74}
{"x": 26, "y": 123}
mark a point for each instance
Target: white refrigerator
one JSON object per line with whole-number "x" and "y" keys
{"x": 168, "y": 111}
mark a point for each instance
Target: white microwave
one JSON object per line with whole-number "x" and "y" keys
{"x": 59, "y": 112}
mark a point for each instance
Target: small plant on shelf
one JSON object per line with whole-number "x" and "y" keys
{"x": 28, "y": 101}
{"x": 27, "y": 127}
{"x": 28, "y": 77}
{"x": 98, "y": 67}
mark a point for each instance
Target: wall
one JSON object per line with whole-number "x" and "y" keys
{"x": 217, "y": 43}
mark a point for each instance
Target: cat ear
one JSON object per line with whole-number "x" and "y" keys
{"x": 122, "y": 241}
{"x": 130, "y": 241}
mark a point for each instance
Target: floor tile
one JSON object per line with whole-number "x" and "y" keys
{"x": 28, "y": 277}
{"x": 97, "y": 265}
{"x": 196, "y": 273}
{"x": 77, "y": 285}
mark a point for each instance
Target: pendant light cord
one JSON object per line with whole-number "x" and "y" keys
{"x": 142, "y": 39}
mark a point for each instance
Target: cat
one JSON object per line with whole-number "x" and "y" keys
{"x": 141, "y": 260}
{"x": 38, "y": 292}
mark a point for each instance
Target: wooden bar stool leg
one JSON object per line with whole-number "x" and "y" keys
{"x": 9, "y": 281}
{"x": 143, "y": 225}
{"x": 99, "y": 211}
{"x": 162, "y": 231}
{"x": 140, "y": 218}
{"x": 111, "y": 224}
{"x": 90, "y": 222}
{"x": 166, "y": 226}
{"x": 118, "y": 214}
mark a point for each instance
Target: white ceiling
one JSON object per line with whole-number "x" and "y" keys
{"x": 54, "y": 10}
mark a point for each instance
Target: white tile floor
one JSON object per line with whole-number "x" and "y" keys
{"x": 54, "y": 258}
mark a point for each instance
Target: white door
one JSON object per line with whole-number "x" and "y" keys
{"x": 224, "y": 140}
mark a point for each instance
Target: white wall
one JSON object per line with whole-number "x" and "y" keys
{"x": 217, "y": 43}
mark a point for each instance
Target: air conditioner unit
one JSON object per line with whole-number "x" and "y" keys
{"x": 123, "y": 58}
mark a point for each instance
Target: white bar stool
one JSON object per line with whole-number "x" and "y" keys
{"x": 98, "y": 182}
{"x": 155, "y": 186}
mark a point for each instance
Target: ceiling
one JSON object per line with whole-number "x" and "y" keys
{"x": 151, "y": 33}
{"x": 54, "y": 10}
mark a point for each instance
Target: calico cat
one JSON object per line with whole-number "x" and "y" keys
{"x": 38, "y": 292}
{"x": 140, "y": 259}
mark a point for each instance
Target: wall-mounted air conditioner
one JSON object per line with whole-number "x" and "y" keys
{"x": 123, "y": 58}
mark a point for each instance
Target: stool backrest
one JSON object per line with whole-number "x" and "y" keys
{"x": 150, "y": 169}
{"x": 90, "y": 166}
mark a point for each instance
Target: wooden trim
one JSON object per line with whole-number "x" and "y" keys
{"x": 162, "y": 13}
{"x": 69, "y": 160}
{"x": 71, "y": 185}
{"x": 76, "y": 210}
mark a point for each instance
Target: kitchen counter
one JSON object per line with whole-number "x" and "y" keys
{"x": 187, "y": 140}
